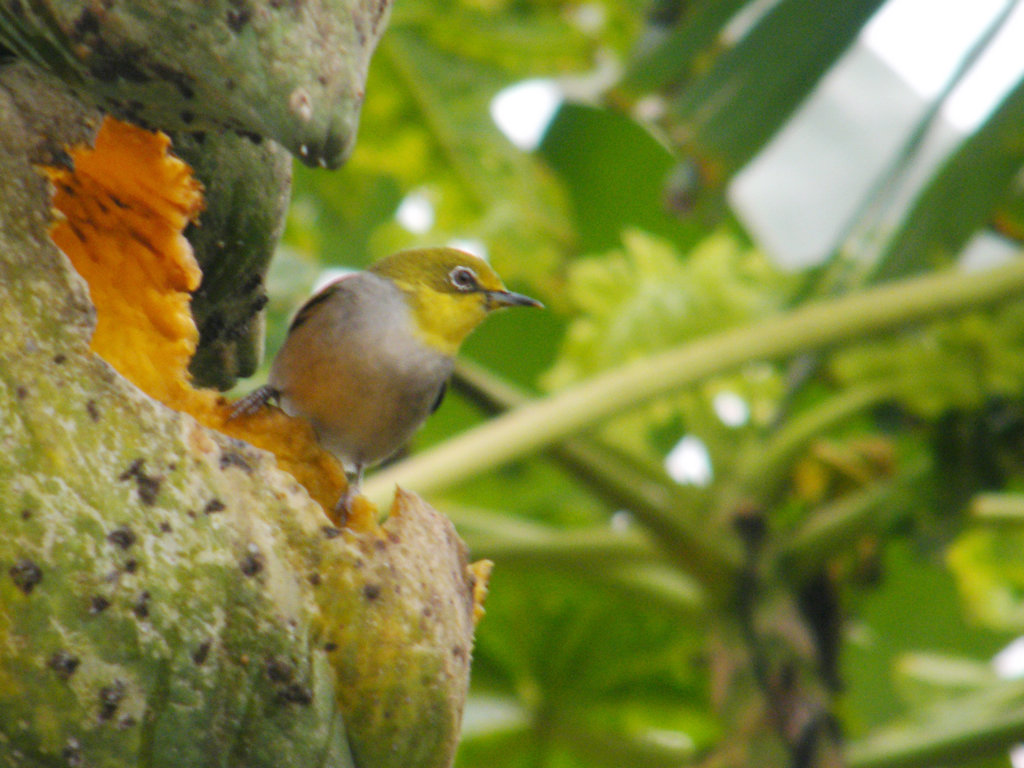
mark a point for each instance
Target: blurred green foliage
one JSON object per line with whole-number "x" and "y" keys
{"x": 598, "y": 647}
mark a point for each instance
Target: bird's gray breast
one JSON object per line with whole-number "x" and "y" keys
{"x": 393, "y": 350}
{"x": 385, "y": 377}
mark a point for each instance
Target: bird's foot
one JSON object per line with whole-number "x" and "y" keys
{"x": 346, "y": 505}
{"x": 253, "y": 402}
{"x": 353, "y": 506}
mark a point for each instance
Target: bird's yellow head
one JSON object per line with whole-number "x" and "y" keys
{"x": 449, "y": 292}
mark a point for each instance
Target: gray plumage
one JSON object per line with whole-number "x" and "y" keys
{"x": 364, "y": 384}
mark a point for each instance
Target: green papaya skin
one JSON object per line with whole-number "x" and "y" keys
{"x": 293, "y": 72}
{"x": 168, "y": 596}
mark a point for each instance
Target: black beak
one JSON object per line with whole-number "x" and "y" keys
{"x": 499, "y": 299}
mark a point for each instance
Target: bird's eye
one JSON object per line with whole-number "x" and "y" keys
{"x": 464, "y": 279}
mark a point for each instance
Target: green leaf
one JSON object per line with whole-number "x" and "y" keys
{"x": 989, "y": 571}
{"x": 669, "y": 56}
{"x": 910, "y": 606}
{"x": 961, "y": 197}
{"x": 589, "y": 661}
{"x": 646, "y": 297}
{"x": 925, "y": 678}
{"x": 614, "y": 171}
{"x": 955, "y": 364}
{"x": 753, "y": 88}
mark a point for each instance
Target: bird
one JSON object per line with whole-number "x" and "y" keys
{"x": 367, "y": 359}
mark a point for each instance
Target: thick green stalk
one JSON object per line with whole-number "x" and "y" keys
{"x": 523, "y": 543}
{"x": 659, "y": 587}
{"x": 626, "y": 561}
{"x": 810, "y": 327}
{"x": 603, "y": 748}
{"x": 675, "y": 515}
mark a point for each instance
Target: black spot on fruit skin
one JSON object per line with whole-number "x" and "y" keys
{"x": 184, "y": 82}
{"x": 59, "y": 157}
{"x": 86, "y": 24}
{"x": 280, "y": 670}
{"x": 110, "y": 64}
{"x": 234, "y": 459}
{"x": 253, "y": 282}
{"x": 371, "y": 591}
{"x": 252, "y": 563}
{"x": 72, "y": 753}
{"x": 252, "y": 136}
{"x": 237, "y": 18}
{"x": 214, "y": 505}
{"x": 200, "y": 654}
{"x": 98, "y": 604}
{"x": 26, "y": 574}
{"x": 122, "y": 537}
{"x": 296, "y": 693}
{"x": 133, "y": 469}
{"x": 64, "y": 664}
{"x": 148, "y": 486}
{"x": 141, "y": 606}
{"x": 110, "y": 699}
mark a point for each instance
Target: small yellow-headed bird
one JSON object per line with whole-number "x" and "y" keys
{"x": 367, "y": 359}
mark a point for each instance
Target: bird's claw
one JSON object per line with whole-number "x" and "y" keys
{"x": 343, "y": 508}
{"x": 253, "y": 402}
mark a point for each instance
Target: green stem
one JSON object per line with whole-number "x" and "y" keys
{"x": 626, "y": 561}
{"x": 969, "y": 727}
{"x": 829, "y": 529}
{"x": 487, "y": 391}
{"x": 813, "y": 326}
{"x": 602, "y": 747}
{"x": 656, "y": 586}
{"x": 760, "y": 471}
{"x": 674, "y": 514}
{"x": 523, "y": 543}
{"x": 998, "y": 508}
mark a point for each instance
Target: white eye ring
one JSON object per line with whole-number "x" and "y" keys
{"x": 464, "y": 279}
